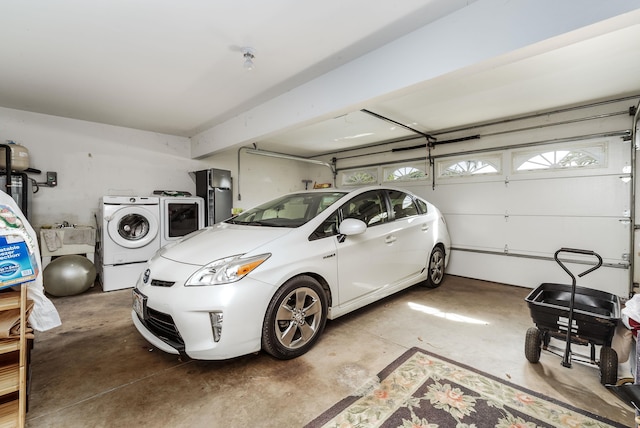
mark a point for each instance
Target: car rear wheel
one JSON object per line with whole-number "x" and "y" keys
{"x": 435, "y": 268}
{"x": 295, "y": 318}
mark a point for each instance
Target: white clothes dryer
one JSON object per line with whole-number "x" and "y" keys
{"x": 179, "y": 216}
{"x": 130, "y": 235}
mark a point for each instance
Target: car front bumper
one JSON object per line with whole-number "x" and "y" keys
{"x": 178, "y": 320}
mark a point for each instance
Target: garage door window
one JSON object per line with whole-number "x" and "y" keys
{"x": 468, "y": 167}
{"x": 560, "y": 158}
{"x": 405, "y": 172}
{"x": 360, "y": 177}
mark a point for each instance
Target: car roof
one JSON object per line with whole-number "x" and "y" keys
{"x": 355, "y": 191}
{"x": 351, "y": 190}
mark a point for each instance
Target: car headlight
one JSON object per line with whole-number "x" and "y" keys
{"x": 224, "y": 271}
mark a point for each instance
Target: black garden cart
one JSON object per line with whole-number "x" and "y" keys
{"x": 591, "y": 314}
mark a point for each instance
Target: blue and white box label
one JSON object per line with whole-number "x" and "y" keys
{"x": 15, "y": 263}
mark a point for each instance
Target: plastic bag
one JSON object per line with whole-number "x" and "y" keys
{"x": 44, "y": 315}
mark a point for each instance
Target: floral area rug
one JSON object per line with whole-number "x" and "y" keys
{"x": 423, "y": 390}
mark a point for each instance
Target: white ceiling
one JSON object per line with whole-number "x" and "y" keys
{"x": 176, "y": 67}
{"x": 598, "y": 68}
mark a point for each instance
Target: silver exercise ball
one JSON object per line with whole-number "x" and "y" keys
{"x": 68, "y": 275}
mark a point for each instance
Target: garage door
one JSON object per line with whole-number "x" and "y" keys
{"x": 516, "y": 190}
{"x": 508, "y": 211}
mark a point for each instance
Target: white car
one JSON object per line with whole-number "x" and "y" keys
{"x": 270, "y": 277}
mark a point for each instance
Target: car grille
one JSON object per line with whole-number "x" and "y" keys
{"x": 162, "y": 325}
{"x": 159, "y": 283}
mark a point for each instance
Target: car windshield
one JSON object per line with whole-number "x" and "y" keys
{"x": 288, "y": 211}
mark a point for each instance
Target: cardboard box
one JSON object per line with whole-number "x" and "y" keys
{"x": 15, "y": 263}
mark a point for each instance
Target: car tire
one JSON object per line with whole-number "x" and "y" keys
{"x": 435, "y": 268}
{"x": 295, "y": 318}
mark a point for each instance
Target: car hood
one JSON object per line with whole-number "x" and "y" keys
{"x": 221, "y": 240}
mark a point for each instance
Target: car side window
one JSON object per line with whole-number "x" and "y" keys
{"x": 369, "y": 207}
{"x": 329, "y": 227}
{"x": 403, "y": 205}
{"x": 422, "y": 205}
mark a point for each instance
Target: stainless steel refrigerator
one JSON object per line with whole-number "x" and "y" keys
{"x": 214, "y": 185}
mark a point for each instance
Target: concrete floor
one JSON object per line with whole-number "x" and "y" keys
{"x": 97, "y": 371}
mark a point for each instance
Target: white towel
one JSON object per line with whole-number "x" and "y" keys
{"x": 53, "y": 239}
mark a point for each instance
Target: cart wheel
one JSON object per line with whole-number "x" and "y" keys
{"x": 608, "y": 366}
{"x": 532, "y": 345}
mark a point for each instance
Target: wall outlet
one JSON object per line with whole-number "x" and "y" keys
{"x": 52, "y": 179}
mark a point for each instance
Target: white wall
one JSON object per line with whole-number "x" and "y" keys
{"x": 263, "y": 178}
{"x": 93, "y": 160}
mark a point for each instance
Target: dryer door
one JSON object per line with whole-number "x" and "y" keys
{"x": 133, "y": 227}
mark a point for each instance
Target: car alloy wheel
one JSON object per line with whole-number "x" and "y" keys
{"x": 435, "y": 268}
{"x": 295, "y": 318}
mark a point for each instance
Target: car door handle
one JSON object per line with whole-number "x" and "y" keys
{"x": 390, "y": 239}
{"x": 425, "y": 227}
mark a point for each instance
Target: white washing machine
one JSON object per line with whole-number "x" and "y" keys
{"x": 179, "y": 216}
{"x": 129, "y": 235}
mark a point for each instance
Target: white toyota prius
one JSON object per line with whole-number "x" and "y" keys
{"x": 270, "y": 277}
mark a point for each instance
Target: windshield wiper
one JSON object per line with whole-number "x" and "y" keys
{"x": 246, "y": 223}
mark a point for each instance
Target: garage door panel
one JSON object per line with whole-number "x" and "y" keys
{"x": 540, "y": 236}
{"x": 578, "y": 196}
{"x": 483, "y": 232}
{"x": 473, "y": 198}
{"x": 530, "y": 273}
{"x": 608, "y": 237}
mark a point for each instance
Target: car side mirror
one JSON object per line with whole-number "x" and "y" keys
{"x": 352, "y": 226}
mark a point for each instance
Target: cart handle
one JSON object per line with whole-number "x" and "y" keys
{"x": 566, "y": 361}
{"x": 578, "y": 251}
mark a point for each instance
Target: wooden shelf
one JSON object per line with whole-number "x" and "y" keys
{"x": 9, "y": 414}
{"x": 9, "y": 300}
{"x": 13, "y": 357}
{"x": 9, "y": 345}
{"x": 9, "y": 378}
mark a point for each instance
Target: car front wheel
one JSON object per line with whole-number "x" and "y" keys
{"x": 295, "y": 318}
{"x": 435, "y": 268}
